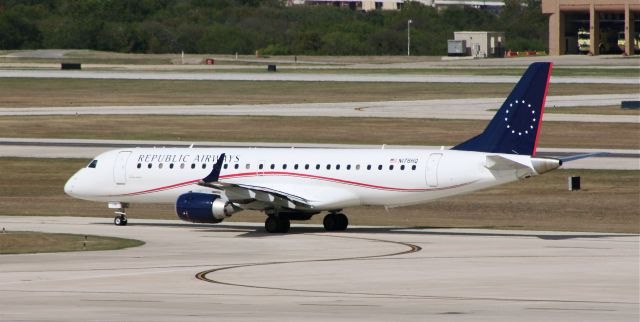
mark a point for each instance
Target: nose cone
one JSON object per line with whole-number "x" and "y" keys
{"x": 70, "y": 185}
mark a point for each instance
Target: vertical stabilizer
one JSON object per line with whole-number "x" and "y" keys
{"x": 516, "y": 126}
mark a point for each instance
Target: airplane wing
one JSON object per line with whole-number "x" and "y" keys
{"x": 260, "y": 197}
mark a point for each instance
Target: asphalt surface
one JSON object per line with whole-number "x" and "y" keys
{"x": 236, "y": 272}
{"x": 616, "y": 159}
{"x": 470, "y": 109}
{"x": 306, "y": 77}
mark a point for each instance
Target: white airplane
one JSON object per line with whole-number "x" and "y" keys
{"x": 208, "y": 185}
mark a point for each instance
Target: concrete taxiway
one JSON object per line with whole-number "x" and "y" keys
{"x": 469, "y": 109}
{"x": 235, "y": 272}
{"x": 616, "y": 159}
{"x": 306, "y": 77}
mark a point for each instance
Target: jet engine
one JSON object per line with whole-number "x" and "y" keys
{"x": 199, "y": 207}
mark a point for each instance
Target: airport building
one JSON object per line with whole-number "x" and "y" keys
{"x": 593, "y": 26}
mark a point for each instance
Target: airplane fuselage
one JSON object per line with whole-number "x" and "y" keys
{"x": 328, "y": 178}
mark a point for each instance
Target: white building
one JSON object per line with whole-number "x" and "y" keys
{"x": 482, "y": 43}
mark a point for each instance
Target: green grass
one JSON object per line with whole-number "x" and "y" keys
{"x": 30, "y": 92}
{"x": 608, "y": 201}
{"x": 23, "y": 242}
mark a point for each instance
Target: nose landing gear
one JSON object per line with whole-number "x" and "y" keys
{"x": 121, "y": 215}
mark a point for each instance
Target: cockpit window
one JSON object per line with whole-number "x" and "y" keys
{"x": 93, "y": 164}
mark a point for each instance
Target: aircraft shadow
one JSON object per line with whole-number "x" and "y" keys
{"x": 253, "y": 231}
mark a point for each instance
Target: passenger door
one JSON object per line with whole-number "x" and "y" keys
{"x": 120, "y": 168}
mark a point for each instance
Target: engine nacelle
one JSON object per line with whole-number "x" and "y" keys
{"x": 203, "y": 208}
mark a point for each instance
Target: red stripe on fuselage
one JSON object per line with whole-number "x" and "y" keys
{"x": 303, "y": 175}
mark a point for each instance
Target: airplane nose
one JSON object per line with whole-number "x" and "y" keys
{"x": 68, "y": 187}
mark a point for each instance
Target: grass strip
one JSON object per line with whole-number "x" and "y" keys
{"x": 24, "y": 242}
{"x": 394, "y": 131}
{"x": 35, "y": 92}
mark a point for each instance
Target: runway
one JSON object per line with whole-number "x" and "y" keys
{"x": 305, "y": 77}
{"x": 235, "y": 272}
{"x": 468, "y": 109}
{"x": 616, "y": 159}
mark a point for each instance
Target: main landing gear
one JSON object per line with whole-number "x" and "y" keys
{"x": 281, "y": 223}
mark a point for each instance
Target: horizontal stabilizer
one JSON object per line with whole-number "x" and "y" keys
{"x": 496, "y": 162}
{"x": 583, "y": 156}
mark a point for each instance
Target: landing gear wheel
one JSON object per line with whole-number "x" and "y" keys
{"x": 120, "y": 220}
{"x": 285, "y": 224}
{"x": 335, "y": 222}
{"x": 271, "y": 224}
{"x": 330, "y": 221}
{"x": 275, "y": 224}
{"x": 342, "y": 222}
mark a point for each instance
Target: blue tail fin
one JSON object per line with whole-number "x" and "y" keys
{"x": 516, "y": 126}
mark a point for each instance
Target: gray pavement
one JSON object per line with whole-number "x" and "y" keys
{"x": 618, "y": 159}
{"x": 470, "y": 109}
{"x": 235, "y": 272}
{"x": 306, "y": 77}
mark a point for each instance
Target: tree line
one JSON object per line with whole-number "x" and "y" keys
{"x": 244, "y": 26}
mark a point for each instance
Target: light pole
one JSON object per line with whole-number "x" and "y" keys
{"x": 409, "y": 37}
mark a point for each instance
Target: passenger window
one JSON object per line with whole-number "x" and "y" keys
{"x": 284, "y": 167}
{"x": 295, "y": 166}
{"x": 181, "y": 165}
{"x": 236, "y": 166}
{"x": 317, "y": 167}
{"x": 337, "y": 167}
{"x": 171, "y": 166}
{"x": 139, "y": 165}
{"x": 380, "y": 167}
{"x": 193, "y": 166}
{"x": 357, "y": 167}
{"x": 149, "y": 165}
{"x": 247, "y": 166}
{"x": 402, "y": 167}
{"x": 306, "y": 167}
{"x": 226, "y": 166}
{"x": 348, "y": 167}
{"x": 261, "y": 166}
{"x": 413, "y": 167}
{"x": 273, "y": 166}
{"x": 368, "y": 167}
{"x": 160, "y": 166}
{"x": 328, "y": 167}
{"x": 204, "y": 165}
{"x": 391, "y": 167}
{"x": 93, "y": 164}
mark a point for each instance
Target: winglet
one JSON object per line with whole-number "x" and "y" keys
{"x": 215, "y": 172}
